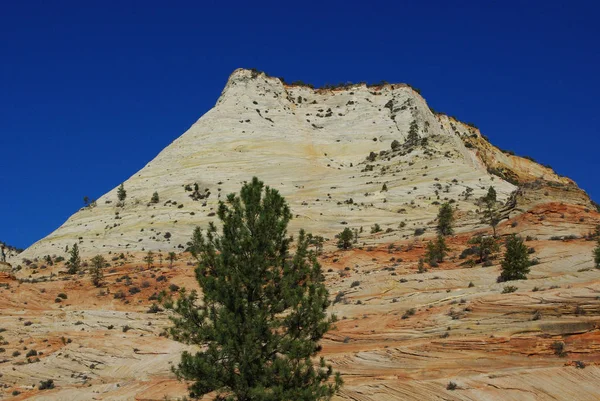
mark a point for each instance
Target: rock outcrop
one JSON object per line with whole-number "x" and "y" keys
{"x": 328, "y": 151}
{"x": 348, "y": 157}
{"x": 7, "y": 252}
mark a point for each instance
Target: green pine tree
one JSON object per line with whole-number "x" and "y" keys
{"x": 74, "y": 260}
{"x": 490, "y": 212}
{"x": 436, "y": 251}
{"x": 317, "y": 241}
{"x": 445, "y": 220}
{"x": 121, "y": 193}
{"x": 597, "y": 255}
{"x": 171, "y": 258}
{"x": 485, "y": 246}
{"x": 149, "y": 259}
{"x": 263, "y": 310}
{"x": 516, "y": 263}
{"x": 412, "y": 138}
{"x": 155, "y": 198}
{"x": 96, "y": 271}
{"x": 345, "y": 239}
{"x": 490, "y": 197}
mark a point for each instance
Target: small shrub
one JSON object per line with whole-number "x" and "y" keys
{"x": 339, "y": 297}
{"x": 355, "y": 284}
{"x": 408, "y": 313}
{"x": 134, "y": 290}
{"x": 419, "y": 231}
{"x": 62, "y": 295}
{"x": 154, "y": 309}
{"x": 559, "y": 348}
{"x": 126, "y": 328}
{"x": 451, "y": 386}
{"x": 31, "y": 352}
{"x": 508, "y": 289}
{"x": 46, "y": 384}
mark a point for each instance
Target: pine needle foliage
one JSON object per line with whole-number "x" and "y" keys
{"x": 491, "y": 215}
{"x": 171, "y": 258}
{"x": 96, "y": 270}
{"x": 436, "y": 251}
{"x": 149, "y": 259}
{"x": 74, "y": 261}
{"x": 597, "y": 255}
{"x": 515, "y": 265}
{"x": 263, "y": 309}
{"x": 345, "y": 239}
{"x": 485, "y": 247}
{"x": 445, "y": 220}
{"x": 121, "y": 193}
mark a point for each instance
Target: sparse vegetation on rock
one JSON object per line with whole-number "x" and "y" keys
{"x": 436, "y": 251}
{"x": 412, "y": 138}
{"x": 149, "y": 259}
{"x": 97, "y": 270}
{"x": 46, "y": 384}
{"x": 345, "y": 239}
{"x": 121, "y": 193}
{"x": 172, "y": 257}
{"x": 484, "y": 246}
{"x": 445, "y": 220}
{"x": 515, "y": 265}
{"x": 74, "y": 263}
{"x": 490, "y": 212}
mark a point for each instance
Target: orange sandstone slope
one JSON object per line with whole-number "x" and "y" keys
{"x": 401, "y": 335}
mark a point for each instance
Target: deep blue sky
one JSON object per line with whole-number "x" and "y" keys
{"x": 91, "y": 91}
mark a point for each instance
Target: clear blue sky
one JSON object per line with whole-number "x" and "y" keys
{"x": 90, "y": 91}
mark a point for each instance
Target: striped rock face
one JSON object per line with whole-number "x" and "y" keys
{"x": 329, "y": 152}
{"x": 352, "y": 157}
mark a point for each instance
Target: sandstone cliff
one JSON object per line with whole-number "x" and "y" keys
{"x": 328, "y": 151}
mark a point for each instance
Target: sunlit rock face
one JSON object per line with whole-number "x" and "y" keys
{"x": 352, "y": 157}
{"x": 328, "y": 151}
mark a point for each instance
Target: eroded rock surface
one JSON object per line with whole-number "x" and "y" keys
{"x": 327, "y": 151}
{"x": 401, "y": 335}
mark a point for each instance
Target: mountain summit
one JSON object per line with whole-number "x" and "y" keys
{"x": 349, "y": 156}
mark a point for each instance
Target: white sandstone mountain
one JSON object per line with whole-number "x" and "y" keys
{"x": 315, "y": 147}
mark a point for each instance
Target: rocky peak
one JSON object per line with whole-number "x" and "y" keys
{"x": 328, "y": 150}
